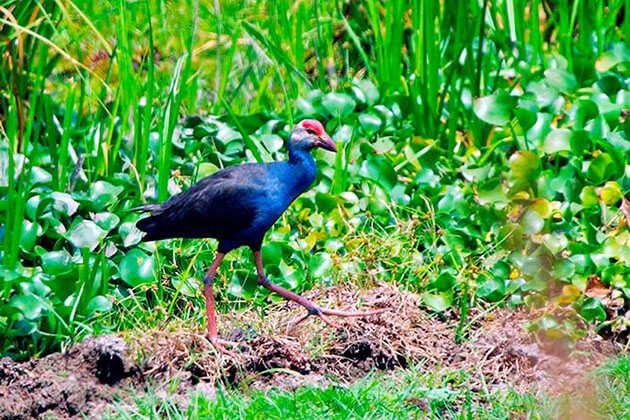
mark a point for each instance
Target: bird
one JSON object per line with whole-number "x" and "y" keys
{"x": 237, "y": 206}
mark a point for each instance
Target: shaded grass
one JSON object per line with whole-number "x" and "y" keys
{"x": 412, "y": 394}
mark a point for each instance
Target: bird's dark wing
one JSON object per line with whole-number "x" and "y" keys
{"x": 219, "y": 206}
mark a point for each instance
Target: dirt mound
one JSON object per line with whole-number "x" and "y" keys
{"x": 498, "y": 352}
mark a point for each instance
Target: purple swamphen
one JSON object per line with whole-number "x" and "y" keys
{"x": 237, "y": 206}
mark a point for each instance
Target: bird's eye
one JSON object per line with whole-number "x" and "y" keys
{"x": 311, "y": 131}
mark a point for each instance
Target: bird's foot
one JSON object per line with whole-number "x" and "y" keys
{"x": 323, "y": 313}
{"x": 220, "y": 345}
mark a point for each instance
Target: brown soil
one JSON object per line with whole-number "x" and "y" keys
{"x": 497, "y": 353}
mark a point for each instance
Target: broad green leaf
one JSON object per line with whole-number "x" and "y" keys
{"x": 545, "y": 93}
{"x": 561, "y": 80}
{"x": 525, "y": 167}
{"x": 601, "y": 168}
{"x": 56, "y": 262}
{"x": 130, "y": 234}
{"x": 380, "y": 170}
{"x": 588, "y": 196}
{"x": 137, "y": 268}
{"x": 99, "y": 304}
{"x": 102, "y": 194}
{"x": 368, "y": 90}
{"x": 438, "y": 302}
{"x": 611, "y": 193}
{"x": 320, "y": 264}
{"x": 495, "y": 109}
{"x": 64, "y": 203}
{"x": 532, "y": 222}
{"x": 40, "y": 176}
{"x": 370, "y": 122}
{"x": 492, "y": 290}
{"x": 338, "y": 104}
{"x": 272, "y": 252}
{"x": 206, "y": 169}
{"x": 86, "y": 233}
{"x": 444, "y": 281}
{"x": 106, "y": 221}
{"x": 558, "y": 141}
{"x": 592, "y": 309}
{"x": 30, "y": 231}
{"x": 29, "y": 306}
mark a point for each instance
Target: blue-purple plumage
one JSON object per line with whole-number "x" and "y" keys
{"x": 236, "y": 205}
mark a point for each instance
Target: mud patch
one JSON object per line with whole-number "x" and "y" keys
{"x": 498, "y": 353}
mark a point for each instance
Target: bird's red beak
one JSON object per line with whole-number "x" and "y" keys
{"x": 326, "y": 143}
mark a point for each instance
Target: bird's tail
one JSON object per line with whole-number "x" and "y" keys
{"x": 145, "y": 208}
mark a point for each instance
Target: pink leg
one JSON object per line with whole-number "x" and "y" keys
{"x": 208, "y": 291}
{"x": 310, "y": 306}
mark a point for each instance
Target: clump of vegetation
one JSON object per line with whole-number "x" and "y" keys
{"x": 485, "y": 144}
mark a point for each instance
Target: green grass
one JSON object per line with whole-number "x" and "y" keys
{"x": 410, "y": 394}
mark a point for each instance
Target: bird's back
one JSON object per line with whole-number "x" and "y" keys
{"x": 236, "y": 205}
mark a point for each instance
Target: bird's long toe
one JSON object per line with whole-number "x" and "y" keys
{"x": 220, "y": 345}
{"x": 335, "y": 312}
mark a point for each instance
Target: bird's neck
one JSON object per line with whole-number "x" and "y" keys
{"x": 302, "y": 168}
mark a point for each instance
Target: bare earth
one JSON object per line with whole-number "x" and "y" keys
{"x": 497, "y": 352}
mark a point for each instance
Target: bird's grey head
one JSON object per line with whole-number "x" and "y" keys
{"x": 309, "y": 134}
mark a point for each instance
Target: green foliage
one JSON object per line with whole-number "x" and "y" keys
{"x": 486, "y": 151}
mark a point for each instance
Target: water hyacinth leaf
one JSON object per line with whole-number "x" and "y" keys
{"x": 370, "y": 123}
{"x": 206, "y": 169}
{"x": 532, "y": 222}
{"x": 537, "y": 133}
{"x": 272, "y": 142}
{"x": 618, "y": 141}
{"x": 338, "y": 105}
{"x": 525, "y": 167}
{"x": 106, "y": 221}
{"x": 601, "y": 168}
{"x": 369, "y": 90}
{"x": 40, "y": 176}
{"x": 87, "y": 234}
{"x": 227, "y": 135}
{"x": 588, "y": 196}
{"x": 28, "y": 238}
{"x": 99, "y": 304}
{"x": 137, "y": 268}
{"x": 564, "y": 269}
{"x": 56, "y": 262}
{"x": 611, "y": 193}
{"x": 28, "y": 305}
{"x": 444, "y": 281}
{"x": 103, "y": 194}
{"x": 583, "y": 111}
{"x": 325, "y": 202}
{"x": 562, "y": 80}
{"x": 438, "y": 302}
{"x": 130, "y": 234}
{"x": 495, "y": 109}
{"x": 383, "y": 145}
{"x": 558, "y": 141}
{"x": 609, "y": 84}
{"x": 380, "y": 170}
{"x": 272, "y": 252}
{"x": 592, "y": 309}
{"x": 580, "y": 142}
{"x": 64, "y": 203}
{"x": 544, "y": 92}
{"x": 492, "y": 193}
{"x": 492, "y": 290}
{"x": 526, "y": 118}
{"x": 320, "y": 264}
